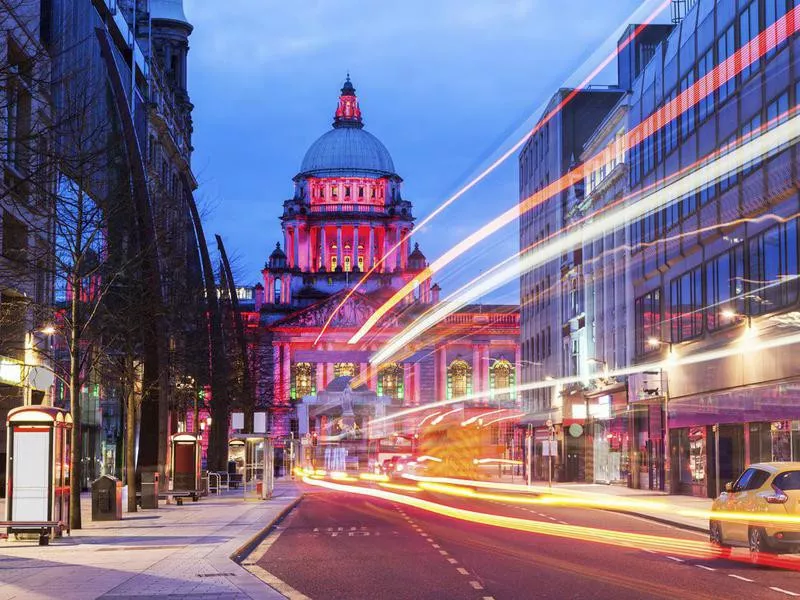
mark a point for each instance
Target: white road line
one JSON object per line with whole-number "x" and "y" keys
{"x": 552, "y": 518}
{"x": 649, "y": 551}
{"x": 675, "y": 559}
{"x": 488, "y": 598}
{"x": 705, "y": 567}
{"x": 429, "y": 540}
{"x": 452, "y": 561}
{"x": 783, "y": 591}
{"x": 740, "y": 578}
{"x": 316, "y": 529}
{"x": 476, "y": 585}
{"x": 436, "y": 546}
{"x": 463, "y": 571}
{"x": 443, "y": 552}
{"x": 563, "y": 522}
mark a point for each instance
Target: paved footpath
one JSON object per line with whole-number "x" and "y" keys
{"x": 174, "y": 552}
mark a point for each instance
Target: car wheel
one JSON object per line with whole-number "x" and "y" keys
{"x": 715, "y": 537}
{"x": 757, "y": 542}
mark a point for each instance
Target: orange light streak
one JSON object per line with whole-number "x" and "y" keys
{"x": 732, "y": 66}
{"x": 411, "y": 285}
{"x": 471, "y": 420}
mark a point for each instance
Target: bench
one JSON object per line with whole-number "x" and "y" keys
{"x": 43, "y": 527}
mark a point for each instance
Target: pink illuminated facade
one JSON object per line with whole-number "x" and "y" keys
{"x": 348, "y": 215}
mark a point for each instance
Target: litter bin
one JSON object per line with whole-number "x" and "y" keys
{"x": 150, "y": 489}
{"x": 106, "y": 499}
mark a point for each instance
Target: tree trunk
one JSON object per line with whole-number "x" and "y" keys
{"x": 75, "y": 407}
{"x": 130, "y": 433}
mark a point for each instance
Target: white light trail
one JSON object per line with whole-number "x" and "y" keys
{"x": 782, "y": 134}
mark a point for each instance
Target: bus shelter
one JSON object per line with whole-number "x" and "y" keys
{"x": 38, "y": 455}
{"x": 254, "y": 456}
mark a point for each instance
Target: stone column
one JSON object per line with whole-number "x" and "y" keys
{"x": 477, "y": 372}
{"x": 339, "y": 247}
{"x": 296, "y": 259}
{"x": 277, "y": 372}
{"x": 324, "y": 244}
{"x": 441, "y": 374}
{"x": 517, "y": 397}
{"x": 329, "y": 373}
{"x": 408, "y": 385}
{"x": 355, "y": 247}
{"x": 287, "y": 371}
{"x": 417, "y": 383}
{"x": 371, "y": 248}
{"x": 487, "y": 363}
{"x": 319, "y": 372}
{"x": 385, "y": 265}
{"x": 269, "y": 283}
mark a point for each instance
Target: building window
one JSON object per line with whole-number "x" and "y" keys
{"x": 390, "y": 382}
{"x": 671, "y": 126}
{"x": 686, "y": 306}
{"x": 773, "y": 11}
{"x": 302, "y": 380}
{"x": 647, "y": 314}
{"x": 773, "y": 268}
{"x": 688, "y": 110}
{"x": 344, "y": 369}
{"x": 726, "y": 46}
{"x": 347, "y": 263}
{"x": 14, "y": 238}
{"x": 749, "y": 132}
{"x": 705, "y": 104}
{"x": 748, "y": 30}
{"x": 501, "y": 377}
{"x": 360, "y": 263}
{"x": 277, "y": 290}
{"x": 459, "y": 379}
{"x": 724, "y": 288}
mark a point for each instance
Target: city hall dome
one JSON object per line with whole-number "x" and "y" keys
{"x": 347, "y": 150}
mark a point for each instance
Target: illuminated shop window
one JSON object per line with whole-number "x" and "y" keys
{"x": 334, "y": 263}
{"x": 390, "y": 382}
{"x": 360, "y": 263}
{"x": 347, "y": 263}
{"x": 344, "y": 369}
{"x": 459, "y": 379}
{"x": 302, "y": 380}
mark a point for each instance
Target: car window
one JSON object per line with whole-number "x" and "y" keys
{"x": 790, "y": 480}
{"x": 744, "y": 478}
{"x": 758, "y": 479}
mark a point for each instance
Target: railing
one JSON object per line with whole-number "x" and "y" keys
{"x": 357, "y": 208}
{"x": 482, "y": 319}
{"x": 213, "y": 483}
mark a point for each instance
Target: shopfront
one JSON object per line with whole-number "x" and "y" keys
{"x": 610, "y": 443}
{"x": 714, "y": 437}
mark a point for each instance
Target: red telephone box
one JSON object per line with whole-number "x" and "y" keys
{"x": 38, "y": 474}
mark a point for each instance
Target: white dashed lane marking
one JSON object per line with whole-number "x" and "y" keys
{"x": 740, "y": 578}
{"x": 476, "y": 585}
{"x": 462, "y": 570}
{"x": 705, "y": 567}
{"x": 452, "y": 561}
{"x": 680, "y": 560}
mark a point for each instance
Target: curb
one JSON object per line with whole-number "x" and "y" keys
{"x": 661, "y": 520}
{"x": 245, "y": 549}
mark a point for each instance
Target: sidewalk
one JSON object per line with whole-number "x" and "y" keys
{"x": 174, "y": 552}
{"x": 687, "y": 512}
{"x": 681, "y": 511}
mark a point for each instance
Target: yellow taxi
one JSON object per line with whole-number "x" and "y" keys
{"x": 768, "y": 489}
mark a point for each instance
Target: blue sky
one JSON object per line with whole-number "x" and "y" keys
{"x": 442, "y": 83}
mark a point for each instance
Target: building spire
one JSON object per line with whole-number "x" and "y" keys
{"x": 348, "y": 114}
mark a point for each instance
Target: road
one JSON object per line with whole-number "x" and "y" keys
{"x": 339, "y": 545}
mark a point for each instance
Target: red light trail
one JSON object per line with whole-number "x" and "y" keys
{"x": 425, "y": 274}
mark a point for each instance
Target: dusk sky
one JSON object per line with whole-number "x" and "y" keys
{"x": 442, "y": 83}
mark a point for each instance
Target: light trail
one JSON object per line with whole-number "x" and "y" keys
{"x": 471, "y": 420}
{"x": 733, "y": 161}
{"x": 669, "y": 363}
{"x": 439, "y": 419}
{"x": 411, "y": 285}
{"x": 505, "y": 418}
{"x": 774, "y": 35}
{"x": 692, "y": 548}
{"x": 602, "y": 502}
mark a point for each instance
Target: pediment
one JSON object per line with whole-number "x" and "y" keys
{"x": 353, "y": 313}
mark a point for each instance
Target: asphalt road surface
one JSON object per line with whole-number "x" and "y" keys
{"x": 337, "y": 545}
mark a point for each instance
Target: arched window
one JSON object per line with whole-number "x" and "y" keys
{"x": 302, "y": 380}
{"x": 390, "y": 381}
{"x": 347, "y": 263}
{"x": 501, "y": 377}
{"x": 277, "y": 291}
{"x": 459, "y": 379}
{"x": 344, "y": 369}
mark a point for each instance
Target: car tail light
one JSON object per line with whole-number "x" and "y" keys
{"x": 778, "y": 497}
